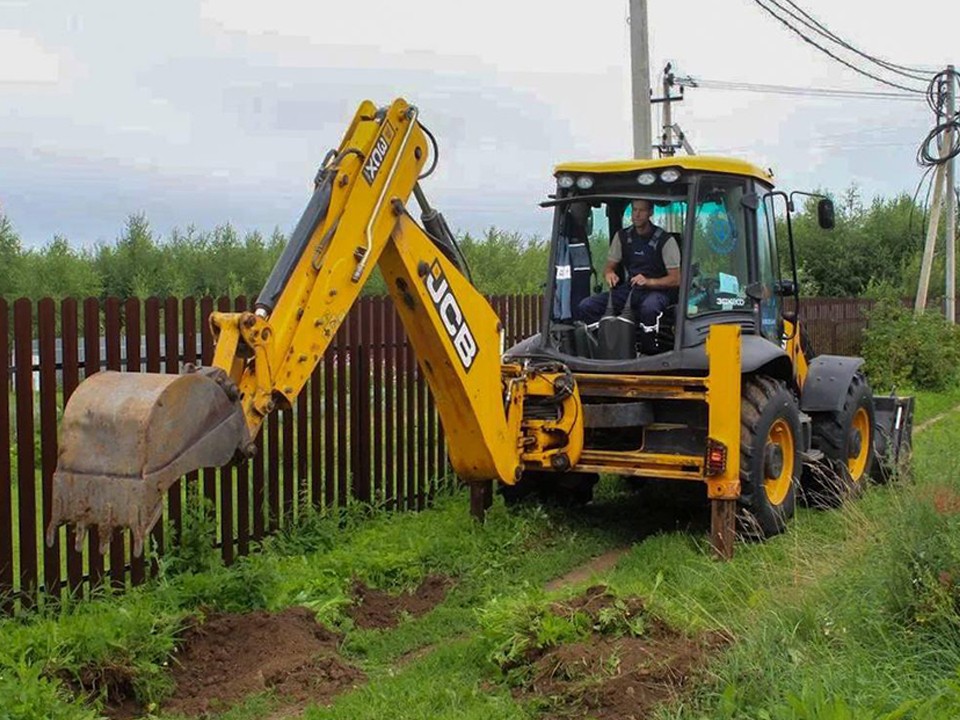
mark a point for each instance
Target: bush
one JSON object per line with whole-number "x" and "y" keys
{"x": 903, "y": 349}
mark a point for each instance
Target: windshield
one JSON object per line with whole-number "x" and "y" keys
{"x": 718, "y": 264}
{"x": 583, "y": 245}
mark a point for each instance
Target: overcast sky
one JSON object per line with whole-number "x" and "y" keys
{"x": 220, "y": 111}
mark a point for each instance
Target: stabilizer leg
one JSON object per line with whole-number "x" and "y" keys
{"x": 723, "y": 527}
{"x": 481, "y": 498}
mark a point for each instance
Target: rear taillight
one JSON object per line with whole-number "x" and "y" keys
{"x": 716, "y": 458}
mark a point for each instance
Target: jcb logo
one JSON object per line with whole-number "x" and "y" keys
{"x": 380, "y": 148}
{"x": 451, "y": 315}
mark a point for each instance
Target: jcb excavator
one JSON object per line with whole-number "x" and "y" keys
{"x": 724, "y": 393}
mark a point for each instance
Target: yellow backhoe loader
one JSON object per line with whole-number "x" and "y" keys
{"x": 721, "y": 391}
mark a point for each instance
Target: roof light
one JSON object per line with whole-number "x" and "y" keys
{"x": 646, "y": 178}
{"x": 585, "y": 182}
{"x": 670, "y": 175}
{"x": 565, "y": 181}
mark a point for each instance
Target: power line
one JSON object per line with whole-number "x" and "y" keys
{"x": 818, "y": 27}
{"x": 803, "y": 90}
{"x": 839, "y": 59}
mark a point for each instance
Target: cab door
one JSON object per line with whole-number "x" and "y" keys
{"x": 768, "y": 271}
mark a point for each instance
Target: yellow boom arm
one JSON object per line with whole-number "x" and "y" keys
{"x": 355, "y": 220}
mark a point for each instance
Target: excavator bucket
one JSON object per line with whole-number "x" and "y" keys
{"x": 127, "y": 437}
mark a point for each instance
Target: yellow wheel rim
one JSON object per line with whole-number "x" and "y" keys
{"x": 778, "y": 487}
{"x": 857, "y": 464}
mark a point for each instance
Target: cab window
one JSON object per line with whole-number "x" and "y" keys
{"x": 718, "y": 263}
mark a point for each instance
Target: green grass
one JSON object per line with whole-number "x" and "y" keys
{"x": 851, "y": 615}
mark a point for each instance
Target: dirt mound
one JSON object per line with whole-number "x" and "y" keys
{"x": 231, "y": 656}
{"x": 375, "y": 609}
{"x": 614, "y": 675}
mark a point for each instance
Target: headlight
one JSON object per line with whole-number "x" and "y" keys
{"x": 565, "y": 181}
{"x": 646, "y": 178}
{"x": 671, "y": 175}
{"x": 584, "y": 182}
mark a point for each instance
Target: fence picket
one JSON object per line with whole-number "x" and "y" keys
{"x": 151, "y": 322}
{"x": 47, "y": 333}
{"x": 209, "y": 475}
{"x": 377, "y": 408}
{"x": 390, "y": 392}
{"x": 70, "y": 349}
{"x": 26, "y": 479}
{"x": 329, "y": 427}
{"x": 242, "y": 470}
{"x": 225, "y": 478}
{"x": 118, "y": 562}
{"x": 91, "y": 366}
{"x": 171, "y": 366}
{"x": 131, "y": 314}
{"x": 316, "y": 437}
{"x": 6, "y": 489}
{"x": 343, "y": 458}
{"x": 412, "y": 489}
{"x": 359, "y": 391}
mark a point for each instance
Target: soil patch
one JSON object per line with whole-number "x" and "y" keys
{"x": 611, "y": 676}
{"x": 231, "y": 656}
{"x": 375, "y": 609}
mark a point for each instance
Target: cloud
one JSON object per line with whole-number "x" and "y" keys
{"x": 24, "y": 60}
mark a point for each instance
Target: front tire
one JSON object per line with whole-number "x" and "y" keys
{"x": 769, "y": 457}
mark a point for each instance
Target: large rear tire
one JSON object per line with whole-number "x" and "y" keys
{"x": 846, "y": 439}
{"x": 769, "y": 458}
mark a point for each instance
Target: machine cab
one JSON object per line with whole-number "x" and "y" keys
{"x": 714, "y": 209}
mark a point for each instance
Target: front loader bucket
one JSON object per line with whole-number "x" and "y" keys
{"x": 893, "y": 425}
{"x": 127, "y": 437}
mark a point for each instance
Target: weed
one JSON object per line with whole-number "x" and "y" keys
{"x": 193, "y": 549}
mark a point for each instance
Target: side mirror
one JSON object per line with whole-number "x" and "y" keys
{"x": 784, "y": 288}
{"x": 825, "y": 215}
{"x": 754, "y": 291}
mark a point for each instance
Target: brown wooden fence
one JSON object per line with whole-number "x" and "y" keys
{"x": 835, "y": 325}
{"x": 364, "y": 428}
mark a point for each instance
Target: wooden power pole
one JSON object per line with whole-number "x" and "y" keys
{"x": 951, "y": 294}
{"x": 640, "y": 69}
{"x": 943, "y": 194}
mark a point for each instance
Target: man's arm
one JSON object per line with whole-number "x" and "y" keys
{"x": 670, "y": 280}
{"x": 611, "y": 272}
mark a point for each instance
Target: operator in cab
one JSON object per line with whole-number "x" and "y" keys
{"x": 651, "y": 257}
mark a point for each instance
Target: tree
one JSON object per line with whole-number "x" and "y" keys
{"x": 12, "y": 281}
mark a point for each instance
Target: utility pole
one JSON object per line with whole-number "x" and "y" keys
{"x": 951, "y": 202}
{"x": 930, "y": 245}
{"x": 640, "y": 68}
{"x": 667, "y": 137}
{"x": 943, "y": 194}
{"x": 667, "y": 146}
